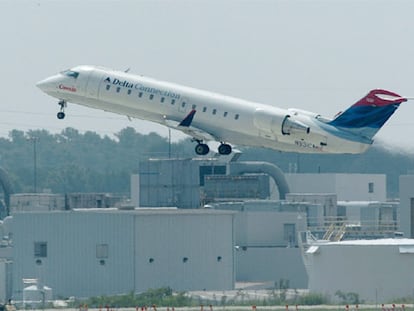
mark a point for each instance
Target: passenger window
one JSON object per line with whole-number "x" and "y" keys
{"x": 183, "y": 104}
{"x": 214, "y": 111}
{"x": 204, "y": 109}
{"x": 225, "y": 114}
{"x": 118, "y": 89}
{"x": 194, "y": 107}
{"x": 140, "y": 94}
{"x": 162, "y": 99}
{"x": 108, "y": 87}
{"x": 129, "y": 92}
{"x": 151, "y": 96}
{"x": 172, "y": 101}
{"x": 236, "y": 117}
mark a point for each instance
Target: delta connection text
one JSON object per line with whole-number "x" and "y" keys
{"x": 142, "y": 87}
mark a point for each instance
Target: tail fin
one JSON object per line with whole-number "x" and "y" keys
{"x": 369, "y": 114}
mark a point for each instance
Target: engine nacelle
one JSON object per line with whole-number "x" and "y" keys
{"x": 295, "y": 112}
{"x": 292, "y": 126}
{"x": 277, "y": 121}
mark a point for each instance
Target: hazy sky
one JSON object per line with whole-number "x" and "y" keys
{"x": 320, "y": 56}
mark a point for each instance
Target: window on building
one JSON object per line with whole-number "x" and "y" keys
{"x": 371, "y": 187}
{"x": 101, "y": 251}
{"x": 289, "y": 234}
{"x": 40, "y": 249}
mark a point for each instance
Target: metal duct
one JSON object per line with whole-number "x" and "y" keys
{"x": 248, "y": 167}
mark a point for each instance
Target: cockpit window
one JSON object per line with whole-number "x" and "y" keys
{"x": 70, "y": 73}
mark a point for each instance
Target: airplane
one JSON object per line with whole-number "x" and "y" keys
{"x": 207, "y": 116}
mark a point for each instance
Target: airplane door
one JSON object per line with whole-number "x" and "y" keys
{"x": 94, "y": 83}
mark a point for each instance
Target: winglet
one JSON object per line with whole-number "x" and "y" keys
{"x": 186, "y": 122}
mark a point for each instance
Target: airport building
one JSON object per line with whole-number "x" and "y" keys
{"x": 94, "y": 252}
{"x": 407, "y": 205}
{"x": 377, "y": 270}
{"x": 266, "y": 241}
{"x": 347, "y": 187}
{"x": 235, "y": 222}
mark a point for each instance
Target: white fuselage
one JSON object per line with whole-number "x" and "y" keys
{"x": 218, "y": 117}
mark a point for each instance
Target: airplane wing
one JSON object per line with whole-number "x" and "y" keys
{"x": 186, "y": 127}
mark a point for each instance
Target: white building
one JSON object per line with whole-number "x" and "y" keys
{"x": 377, "y": 270}
{"x": 323, "y": 208}
{"x": 266, "y": 242}
{"x": 347, "y": 187}
{"x": 407, "y": 205}
{"x": 85, "y": 253}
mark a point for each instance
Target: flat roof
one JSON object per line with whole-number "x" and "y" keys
{"x": 137, "y": 211}
{"x": 396, "y": 242}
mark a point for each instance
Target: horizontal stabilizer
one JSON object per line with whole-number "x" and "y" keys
{"x": 369, "y": 114}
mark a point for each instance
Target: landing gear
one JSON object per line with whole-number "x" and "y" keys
{"x": 224, "y": 149}
{"x": 61, "y": 113}
{"x": 201, "y": 148}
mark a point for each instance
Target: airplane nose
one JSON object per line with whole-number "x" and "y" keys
{"x": 50, "y": 84}
{"x": 45, "y": 85}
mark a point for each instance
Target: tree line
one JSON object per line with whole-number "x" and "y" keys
{"x": 87, "y": 162}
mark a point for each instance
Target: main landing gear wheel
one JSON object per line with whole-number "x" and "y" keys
{"x": 61, "y": 113}
{"x": 202, "y": 149}
{"x": 224, "y": 149}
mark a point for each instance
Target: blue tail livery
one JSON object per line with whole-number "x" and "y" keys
{"x": 369, "y": 114}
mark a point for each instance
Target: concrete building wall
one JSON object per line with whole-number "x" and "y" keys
{"x": 407, "y": 205}
{"x": 185, "y": 252}
{"x": 5, "y": 280}
{"x": 108, "y": 252}
{"x": 71, "y": 266}
{"x": 378, "y": 270}
{"x": 271, "y": 265}
{"x": 165, "y": 183}
{"x": 266, "y": 242}
{"x": 347, "y": 187}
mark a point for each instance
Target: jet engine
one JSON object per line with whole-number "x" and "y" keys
{"x": 277, "y": 122}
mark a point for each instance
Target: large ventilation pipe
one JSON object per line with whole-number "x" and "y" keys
{"x": 239, "y": 168}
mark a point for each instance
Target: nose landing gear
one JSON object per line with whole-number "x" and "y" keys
{"x": 61, "y": 114}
